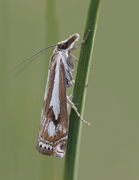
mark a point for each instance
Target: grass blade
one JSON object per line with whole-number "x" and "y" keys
{"x": 72, "y": 155}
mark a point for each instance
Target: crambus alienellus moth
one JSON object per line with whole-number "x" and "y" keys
{"x": 53, "y": 133}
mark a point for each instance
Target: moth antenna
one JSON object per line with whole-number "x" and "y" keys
{"x": 34, "y": 55}
{"x": 27, "y": 64}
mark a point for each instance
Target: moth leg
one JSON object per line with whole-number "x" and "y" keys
{"x": 73, "y": 81}
{"x": 71, "y": 96}
{"x": 75, "y": 109}
{"x": 75, "y": 47}
{"x": 73, "y": 57}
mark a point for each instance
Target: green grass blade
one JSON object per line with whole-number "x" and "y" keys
{"x": 72, "y": 155}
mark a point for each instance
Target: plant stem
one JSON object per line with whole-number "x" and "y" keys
{"x": 72, "y": 154}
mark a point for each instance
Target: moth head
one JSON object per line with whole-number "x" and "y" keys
{"x": 68, "y": 43}
{"x": 62, "y": 46}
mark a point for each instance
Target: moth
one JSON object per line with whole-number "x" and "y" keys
{"x": 53, "y": 133}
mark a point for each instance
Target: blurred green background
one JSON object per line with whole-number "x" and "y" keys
{"x": 110, "y": 146}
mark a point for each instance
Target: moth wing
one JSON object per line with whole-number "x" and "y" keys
{"x": 53, "y": 132}
{"x": 70, "y": 63}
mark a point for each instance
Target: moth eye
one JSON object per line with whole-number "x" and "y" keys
{"x": 63, "y": 46}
